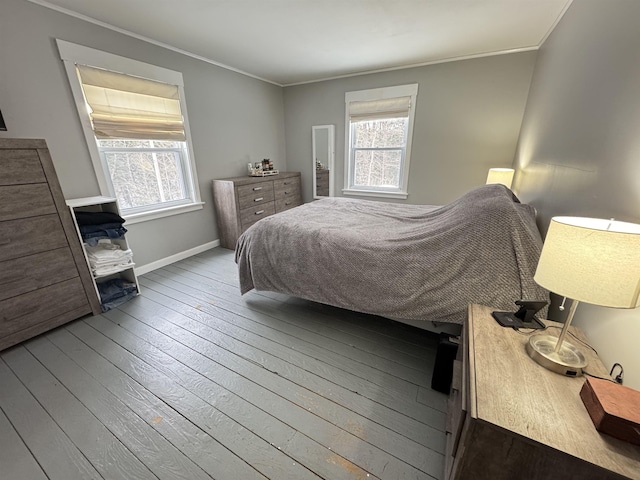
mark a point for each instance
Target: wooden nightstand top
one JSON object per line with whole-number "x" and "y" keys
{"x": 509, "y": 390}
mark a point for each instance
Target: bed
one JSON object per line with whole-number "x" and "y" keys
{"x": 413, "y": 263}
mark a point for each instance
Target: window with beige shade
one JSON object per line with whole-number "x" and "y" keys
{"x": 134, "y": 119}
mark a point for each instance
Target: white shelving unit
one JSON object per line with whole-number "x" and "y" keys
{"x": 102, "y": 204}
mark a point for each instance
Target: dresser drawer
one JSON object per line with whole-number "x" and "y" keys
{"x": 25, "y": 274}
{"x": 288, "y": 202}
{"x": 292, "y": 193}
{"x": 250, "y": 216}
{"x": 21, "y": 166}
{"x": 322, "y": 179}
{"x": 286, "y": 186}
{"x": 24, "y": 311}
{"x": 322, "y": 183}
{"x": 255, "y": 189}
{"x": 21, "y": 201}
{"x": 256, "y": 198}
{"x": 30, "y": 235}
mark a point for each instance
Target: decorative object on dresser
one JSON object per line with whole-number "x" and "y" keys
{"x": 588, "y": 260}
{"x": 242, "y": 201}
{"x": 44, "y": 277}
{"x": 100, "y": 229}
{"x": 507, "y": 418}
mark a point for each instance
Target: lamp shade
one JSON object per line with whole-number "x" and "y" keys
{"x": 503, "y": 176}
{"x": 592, "y": 260}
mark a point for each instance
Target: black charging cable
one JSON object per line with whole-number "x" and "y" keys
{"x": 620, "y": 377}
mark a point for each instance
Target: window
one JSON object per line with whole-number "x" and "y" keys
{"x": 134, "y": 119}
{"x": 379, "y": 129}
{"x": 145, "y": 173}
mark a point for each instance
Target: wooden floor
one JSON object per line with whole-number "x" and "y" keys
{"x": 192, "y": 381}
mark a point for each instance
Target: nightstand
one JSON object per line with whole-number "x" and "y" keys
{"x": 510, "y": 418}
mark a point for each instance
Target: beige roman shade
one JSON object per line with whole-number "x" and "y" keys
{"x": 123, "y": 106}
{"x": 364, "y": 111}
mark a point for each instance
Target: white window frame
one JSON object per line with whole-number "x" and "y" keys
{"x": 367, "y": 96}
{"x": 72, "y": 54}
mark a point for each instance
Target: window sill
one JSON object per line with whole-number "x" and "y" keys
{"x": 375, "y": 193}
{"x": 162, "y": 212}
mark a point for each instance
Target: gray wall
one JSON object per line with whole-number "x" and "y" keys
{"x": 579, "y": 150}
{"x": 234, "y": 119}
{"x": 467, "y": 120}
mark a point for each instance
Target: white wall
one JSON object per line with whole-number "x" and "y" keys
{"x": 579, "y": 150}
{"x": 467, "y": 120}
{"x": 234, "y": 118}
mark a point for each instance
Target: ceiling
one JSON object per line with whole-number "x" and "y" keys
{"x": 296, "y": 41}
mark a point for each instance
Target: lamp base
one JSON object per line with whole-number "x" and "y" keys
{"x": 567, "y": 361}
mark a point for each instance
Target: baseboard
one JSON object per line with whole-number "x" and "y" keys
{"x": 163, "y": 262}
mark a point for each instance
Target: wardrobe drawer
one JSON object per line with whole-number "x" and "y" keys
{"x": 250, "y": 216}
{"x": 25, "y": 274}
{"x": 27, "y": 236}
{"x": 255, "y": 189}
{"x": 256, "y": 198}
{"x": 21, "y": 166}
{"x": 21, "y": 201}
{"x": 24, "y": 311}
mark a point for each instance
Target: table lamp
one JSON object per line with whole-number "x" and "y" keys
{"x": 587, "y": 260}
{"x": 503, "y": 176}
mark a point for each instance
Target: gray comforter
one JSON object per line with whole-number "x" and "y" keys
{"x": 410, "y": 262}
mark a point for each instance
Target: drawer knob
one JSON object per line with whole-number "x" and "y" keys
{"x": 255, "y": 189}
{"x": 259, "y": 212}
{"x": 286, "y": 193}
{"x": 5, "y": 241}
{"x": 258, "y": 199}
{"x": 287, "y": 203}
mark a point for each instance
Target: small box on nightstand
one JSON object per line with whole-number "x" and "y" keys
{"x": 613, "y": 408}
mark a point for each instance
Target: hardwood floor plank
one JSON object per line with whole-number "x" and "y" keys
{"x": 252, "y": 381}
{"x": 15, "y": 458}
{"x": 204, "y": 302}
{"x": 51, "y": 447}
{"x": 149, "y": 446}
{"x": 199, "y": 400}
{"x": 375, "y": 342}
{"x": 331, "y": 328}
{"x": 112, "y": 459}
{"x": 339, "y": 415}
{"x": 354, "y": 376}
{"x": 200, "y": 447}
{"x": 273, "y": 340}
{"x": 407, "y": 339}
{"x": 191, "y": 380}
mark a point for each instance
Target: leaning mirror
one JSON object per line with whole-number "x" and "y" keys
{"x": 322, "y": 143}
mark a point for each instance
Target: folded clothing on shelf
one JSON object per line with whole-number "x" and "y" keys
{"x": 98, "y": 218}
{"x": 106, "y": 258}
{"x": 97, "y": 225}
{"x": 115, "y": 292}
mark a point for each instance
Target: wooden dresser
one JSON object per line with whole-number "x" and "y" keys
{"x": 44, "y": 279}
{"x": 511, "y": 418}
{"x": 242, "y": 201}
{"x": 322, "y": 183}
